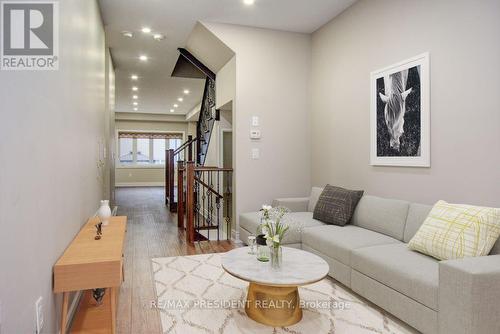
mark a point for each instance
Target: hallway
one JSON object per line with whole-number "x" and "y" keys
{"x": 151, "y": 232}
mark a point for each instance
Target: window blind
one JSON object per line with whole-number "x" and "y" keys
{"x": 149, "y": 135}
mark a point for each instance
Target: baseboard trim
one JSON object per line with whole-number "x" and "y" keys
{"x": 140, "y": 184}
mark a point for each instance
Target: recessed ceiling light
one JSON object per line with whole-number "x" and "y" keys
{"x": 176, "y": 105}
{"x": 146, "y": 30}
{"x": 159, "y": 37}
{"x": 186, "y": 91}
{"x": 143, "y": 58}
{"x": 135, "y": 89}
{"x": 127, "y": 33}
{"x": 135, "y": 109}
{"x": 171, "y": 110}
{"x": 135, "y": 103}
{"x": 248, "y": 2}
{"x": 134, "y": 77}
{"x": 180, "y": 99}
{"x": 135, "y": 97}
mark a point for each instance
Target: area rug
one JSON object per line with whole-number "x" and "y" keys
{"x": 195, "y": 295}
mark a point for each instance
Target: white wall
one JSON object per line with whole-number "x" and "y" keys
{"x": 50, "y": 185}
{"x": 225, "y": 94}
{"x": 462, "y": 38}
{"x": 226, "y": 83}
{"x": 109, "y": 123}
{"x": 272, "y": 82}
{"x": 214, "y": 150}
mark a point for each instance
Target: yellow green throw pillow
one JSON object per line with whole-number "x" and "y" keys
{"x": 455, "y": 231}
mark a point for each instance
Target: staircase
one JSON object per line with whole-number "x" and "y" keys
{"x": 206, "y": 121}
{"x": 203, "y": 198}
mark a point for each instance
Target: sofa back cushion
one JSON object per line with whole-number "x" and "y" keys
{"x": 382, "y": 215}
{"x": 455, "y": 231}
{"x": 313, "y": 199}
{"x": 416, "y": 216}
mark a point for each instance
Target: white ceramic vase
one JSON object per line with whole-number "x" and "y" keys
{"x": 104, "y": 212}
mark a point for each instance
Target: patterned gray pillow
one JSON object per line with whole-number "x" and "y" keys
{"x": 336, "y": 205}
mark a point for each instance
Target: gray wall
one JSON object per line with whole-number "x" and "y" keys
{"x": 463, "y": 41}
{"x": 52, "y": 124}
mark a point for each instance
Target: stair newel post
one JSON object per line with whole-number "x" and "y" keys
{"x": 190, "y": 148}
{"x": 180, "y": 194}
{"x": 190, "y": 202}
{"x": 171, "y": 176}
{"x": 167, "y": 179}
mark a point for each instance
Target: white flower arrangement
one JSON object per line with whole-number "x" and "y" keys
{"x": 274, "y": 226}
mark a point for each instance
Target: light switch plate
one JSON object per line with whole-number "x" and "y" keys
{"x": 255, "y": 153}
{"x": 255, "y": 120}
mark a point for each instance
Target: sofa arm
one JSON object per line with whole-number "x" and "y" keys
{"x": 469, "y": 295}
{"x": 299, "y": 204}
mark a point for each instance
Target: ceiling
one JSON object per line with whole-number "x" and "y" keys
{"x": 157, "y": 91}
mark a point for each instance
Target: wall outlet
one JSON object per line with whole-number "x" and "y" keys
{"x": 39, "y": 315}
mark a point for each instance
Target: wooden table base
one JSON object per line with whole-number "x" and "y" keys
{"x": 273, "y": 306}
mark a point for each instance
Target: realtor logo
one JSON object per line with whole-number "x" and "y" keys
{"x": 29, "y": 35}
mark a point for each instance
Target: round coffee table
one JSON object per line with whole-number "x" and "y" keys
{"x": 273, "y": 296}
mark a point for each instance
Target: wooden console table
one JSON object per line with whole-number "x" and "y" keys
{"x": 89, "y": 264}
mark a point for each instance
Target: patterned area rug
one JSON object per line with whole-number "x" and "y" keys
{"x": 195, "y": 295}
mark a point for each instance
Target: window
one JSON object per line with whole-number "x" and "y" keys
{"x": 159, "y": 151}
{"x": 138, "y": 148}
{"x": 126, "y": 150}
{"x": 142, "y": 151}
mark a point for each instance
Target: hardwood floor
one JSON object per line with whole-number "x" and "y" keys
{"x": 152, "y": 232}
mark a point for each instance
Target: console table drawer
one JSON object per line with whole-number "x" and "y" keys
{"x": 88, "y": 276}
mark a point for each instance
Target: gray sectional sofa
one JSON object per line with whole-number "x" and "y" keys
{"x": 370, "y": 255}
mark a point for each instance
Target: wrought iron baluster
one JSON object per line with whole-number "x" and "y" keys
{"x": 197, "y": 207}
{"x": 218, "y": 205}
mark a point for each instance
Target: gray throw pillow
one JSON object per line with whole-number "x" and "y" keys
{"x": 336, "y": 205}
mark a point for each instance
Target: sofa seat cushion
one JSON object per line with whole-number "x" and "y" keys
{"x": 338, "y": 241}
{"x": 296, "y": 220}
{"x": 413, "y": 274}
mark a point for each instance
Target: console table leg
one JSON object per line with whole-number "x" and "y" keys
{"x": 64, "y": 313}
{"x": 113, "y": 310}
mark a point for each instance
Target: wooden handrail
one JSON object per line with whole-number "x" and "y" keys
{"x": 212, "y": 169}
{"x": 184, "y": 145}
{"x": 198, "y": 64}
{"x": 209, "y": 188}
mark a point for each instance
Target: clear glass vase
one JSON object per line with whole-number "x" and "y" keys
{"x": 262, "y": 253}
{"x": 276, "y": 257}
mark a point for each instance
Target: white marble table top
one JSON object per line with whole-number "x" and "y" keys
{"x": 298, "y": 267}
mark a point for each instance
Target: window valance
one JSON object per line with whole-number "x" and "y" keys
{"x": 149, "y": 135}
